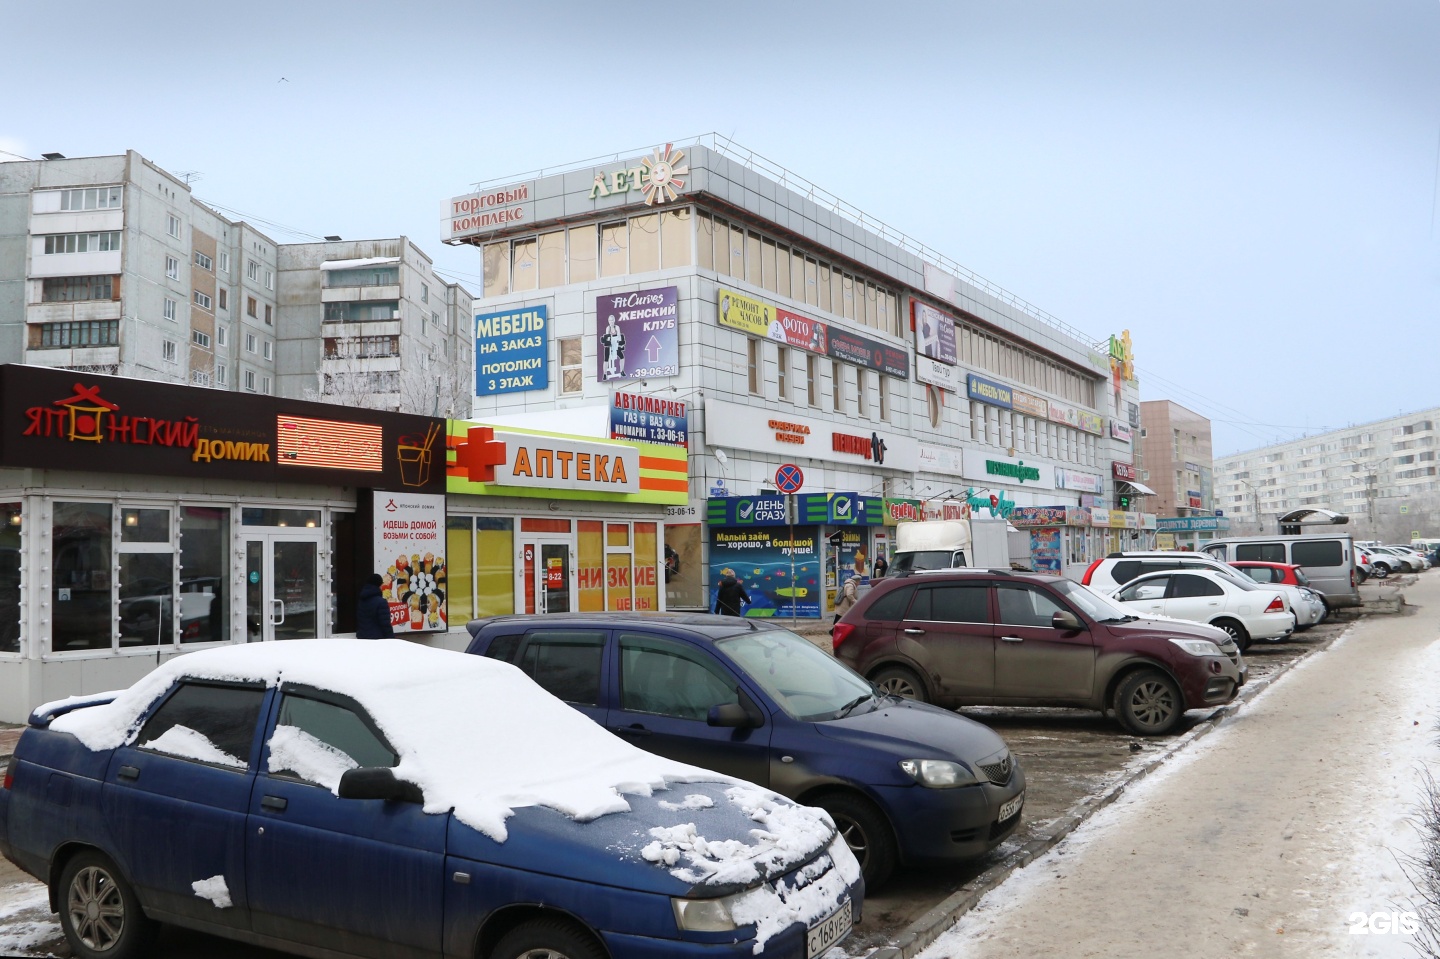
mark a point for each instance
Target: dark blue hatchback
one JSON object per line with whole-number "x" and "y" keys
{"x": 905, "y": 782}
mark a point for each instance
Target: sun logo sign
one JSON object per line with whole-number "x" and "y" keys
{"x": 661, "y": 181}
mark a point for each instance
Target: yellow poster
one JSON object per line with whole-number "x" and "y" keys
{"x": 740, "y": 312}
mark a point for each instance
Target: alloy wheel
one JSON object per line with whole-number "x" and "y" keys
{"x": 542, "y": 954}
{"x": 854, "y": 837}
{"x": 97, "y": 910}
{"x": 1152, "y": 703}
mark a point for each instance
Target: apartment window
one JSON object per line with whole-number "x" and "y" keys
{"x": 168, "y": 309}
{"x": 168, "y": 351}
{"x": 64, "y": 289}
{"x": 269, "y": 315}
{"x": 251, "y": 306}
{"x": 221, "y": 375}
{"x": 200, "y": 338}
{"x": 382, "y": 312}
{"x": 221, "y": 335}
{"x": 250, "y": 343}
{"x": 435, "y": 320}
{"x": 782, "y": 369}
{"x": 883, "y": 384}
{"x": 265, "y": 385}
{"x": 752, "y": 347}
{"x": 812, "y": 379}
{"x": 424, "y": 293}
{"x": 173, "y": 225}
{"x": 224, "y": 262}
{"x": 80, "y": 333}
{"x": 202, "y": 300}
{"x": 269, "y": 280}
{"x": 837, "y": 383}
{"x": 203, "y": 261}
{"x": 82, "y": 242}
{"x": 250, "y": 380}
{"x": 860, "y": 385}
{"x": 252, "y": 270}
{"x": 92, "y": 198}
{"x": 172, "y": 268}
{"x": 572, "y": 378}
{"x": 268, "y": 350}
{"x": 224, "y": 299}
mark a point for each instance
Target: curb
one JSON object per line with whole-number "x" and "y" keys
{"x": 925, "y": 930}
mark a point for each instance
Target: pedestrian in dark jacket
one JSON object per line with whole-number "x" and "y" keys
{"x": 879, "y": 568}
{"x": 372, "y": 612}
{"x": 730, "y": 595}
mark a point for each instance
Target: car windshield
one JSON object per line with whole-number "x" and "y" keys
{"x": 922, "y": 559}
{"x": 1301, "y": 578}
{"x": 1239, "y": 579}
{"x": 806, "y": 681}
{"x": 1096, "y": 605}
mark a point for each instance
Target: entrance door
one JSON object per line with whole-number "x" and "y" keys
{"x": 282, "y": 587}
{"x": 548, "y": 582}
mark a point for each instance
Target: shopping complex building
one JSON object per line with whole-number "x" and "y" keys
{"x": 705, "y": 300}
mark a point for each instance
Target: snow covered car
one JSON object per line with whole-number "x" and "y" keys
{"x": 1227, "y": 600}
{"x": 344, "y": 797}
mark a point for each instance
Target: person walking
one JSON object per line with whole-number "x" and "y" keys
{"x": 730, "y": 594}
{"x": 372, "y": 612}
{"x": 880, "y": 567}
{"x": 849, "y": 594}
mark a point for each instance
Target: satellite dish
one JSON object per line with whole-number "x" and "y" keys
{"x": 720, "y": 457}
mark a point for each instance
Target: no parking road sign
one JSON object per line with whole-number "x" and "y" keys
{"x": 789, "y": 478}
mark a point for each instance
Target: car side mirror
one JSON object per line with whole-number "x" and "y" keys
{"x": 1064, "y": 619}
{"x": 732, "y": 715}
{"x": 377, "y": 782}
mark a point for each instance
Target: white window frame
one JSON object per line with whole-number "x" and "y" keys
{"x": 220, "y": 374}
{"x": 173, "y": 225}
{"x": 250, "y": 343}
{"x": 252, "y": 270}
{"x": 267, "y": 349}
{"x": 169, "y": 352}
{"x": 222, "y": 335}
{"x": 224, "y": 262}
{"x": 172, "y": 267}
{"x": 167, "y": 310}
{"x": 204, "y": 262}
{"x": 249, "y": 381}
{"x": 203, "y": 301}
{"x": 200, "y": 338}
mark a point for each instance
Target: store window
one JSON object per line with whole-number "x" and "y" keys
{"x": 204, "y": 574}
{"x": 645, "y": 243}
{"x": 572, "y": 375}
{"x": 617, "y": 567}
{"x": 80, "y": 544}
{"x": 583, "y": 254}
{"x": 647, "y": 589}
{"x": 495, "y": 566}
{"x": 552, "y": 259}
{"x": 147, "y": 578}
{"x": 591, "y": 555}
{"x": 10, "y": 607}
{"x": 614, "y": 254}
{"x": 675, "y": 238}
{"x": 268, "y": 516}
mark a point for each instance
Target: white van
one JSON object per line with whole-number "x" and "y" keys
{"x": 1329, "y": 560}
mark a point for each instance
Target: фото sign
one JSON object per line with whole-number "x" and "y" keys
{"x": 988, "y": 391}
{"x": 409, "y": 541}
{"x": 512, "y": 350}
{"x": 637, "y": 334}
{"x": 647, "y": 419}
{"x": 757, "y": 318}
{"x": 1124, "y": 471}
{"x": 934, "y": 333}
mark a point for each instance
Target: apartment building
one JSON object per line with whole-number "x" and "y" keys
{"x": 1381, "y": 474}
{"x": 1176, "y": 449}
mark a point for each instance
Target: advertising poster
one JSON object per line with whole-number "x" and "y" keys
{"x": 410, "y": 553}
{"x": 1045, "y": 550}
{"x": 760, "y": 560}
{"x": 846, "y": 559}
{"x": 638, "y": 334}
{"x": 647, "y": 419}
{"x": 934, "y": 333}
{"x": 988, "y": 391}
{"x": 748, "y": 315}
{"x": 758, "y": 318}
{"x": 512, "y": 350}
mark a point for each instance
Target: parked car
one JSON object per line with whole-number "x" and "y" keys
{"x": 983, "y": 637}
{"x": 1329, "y": 560}
{"x": 1364, "y": 564}
{"x": 1116, "y": 569}
{"x": 1418, "y": 560}
{"x": 1389, "y": 561}
{"x": 1241, "y": 608}
{"x": 1308, "y": 605}
{"x": 352, "y": 798}
{"x": 904, "y": 782}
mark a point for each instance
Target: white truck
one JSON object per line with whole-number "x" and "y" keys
{"x": 947, "y": 543}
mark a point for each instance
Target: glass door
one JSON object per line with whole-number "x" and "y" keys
{"x": 548, "y": 583}
{"x": 282, "y": 587}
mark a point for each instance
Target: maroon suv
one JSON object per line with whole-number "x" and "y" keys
{"x": 991, "y": 637}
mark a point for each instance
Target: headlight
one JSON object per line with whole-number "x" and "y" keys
{"x": 1197, "y": 647}
{"x": 705, "y": 915}
{"x": 937, "y": 773}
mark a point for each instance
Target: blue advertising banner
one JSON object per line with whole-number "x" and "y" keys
{"x": 745, "y": 511}
{"x": 840, "y": 509}
{"x": 760, "y": 559}
{"x": 638, "y": 334}
{"x": 512, "y": 351}
{"x": 988, "y": 391}
{"x": 648, "y": 419}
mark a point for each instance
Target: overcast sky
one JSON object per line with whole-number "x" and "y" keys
{"x": 1249, "y": 187}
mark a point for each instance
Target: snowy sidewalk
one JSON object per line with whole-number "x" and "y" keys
{"x": 1260, "y": 840}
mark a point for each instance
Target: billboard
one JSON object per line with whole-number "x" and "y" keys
{"x": 934, "y": 333}
{"x": 637, "y": 334}
{"x": 512, "y": 351}
{"x": 757, "y": 318}
{"x": 409, "y": 543}
{"x": 760, "y": 559}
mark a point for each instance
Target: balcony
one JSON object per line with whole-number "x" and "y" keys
{"x": 361, "y": 294}
{"x": 353, "y": 312}
{"x": 70, "y": 311}
{"x": 87, "y": 356}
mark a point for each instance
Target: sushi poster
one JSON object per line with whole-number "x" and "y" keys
{"x": 410, "y": 554}
{"x": 760, "y": 559}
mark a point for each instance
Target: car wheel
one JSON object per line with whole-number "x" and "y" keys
{"x": 899, "y": 681}
{"x": 99, "y": 913}
{"x": 1236, "y": 631}
{"x": 1149, "y": 703}
{"x": 1382, "y": 570}
{"x": 547, "y": 939}
{"x": 866, "y": 833}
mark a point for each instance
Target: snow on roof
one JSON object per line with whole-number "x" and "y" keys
{"x": 475, "y": 734}
{"x": 591, "y": 421}
{"x": 358, "y": 264}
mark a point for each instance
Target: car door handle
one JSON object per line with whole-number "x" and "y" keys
{"x": 634, "y": 729}
{"x": 274, "y": 803}
{"x": 915, "y": 632}
{"x": 131, "y": 773}
{"x": 1012, "y": 639}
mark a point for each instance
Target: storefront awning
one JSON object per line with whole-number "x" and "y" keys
{"x": 1140, "y": 488}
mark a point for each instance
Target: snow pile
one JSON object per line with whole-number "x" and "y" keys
{"x": 476, "y": 735}
{"x": 186, "y": 743}
{"x": 215, "y": 890}
{"x": 27, "y": 925}
{"x": 293, "y": 749}
{"x": 788, "y": 834}
{"x": 813, "y": 895}
{"x": 692, "y": 801}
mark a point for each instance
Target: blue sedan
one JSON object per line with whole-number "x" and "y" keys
{"x": 380, "y": 799}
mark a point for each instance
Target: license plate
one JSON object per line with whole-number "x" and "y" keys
{"x": 828, "y": 931}
{"x": 1011, "y": 808}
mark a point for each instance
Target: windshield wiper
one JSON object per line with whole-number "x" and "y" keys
{"x": 845, "y": 710}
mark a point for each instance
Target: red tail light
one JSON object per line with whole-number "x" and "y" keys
{"x": 9, "y": 779}
{"x": 1277, "y": 605}
{"x": 840, "y": 633}
{"x": 1089, "y": 571}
